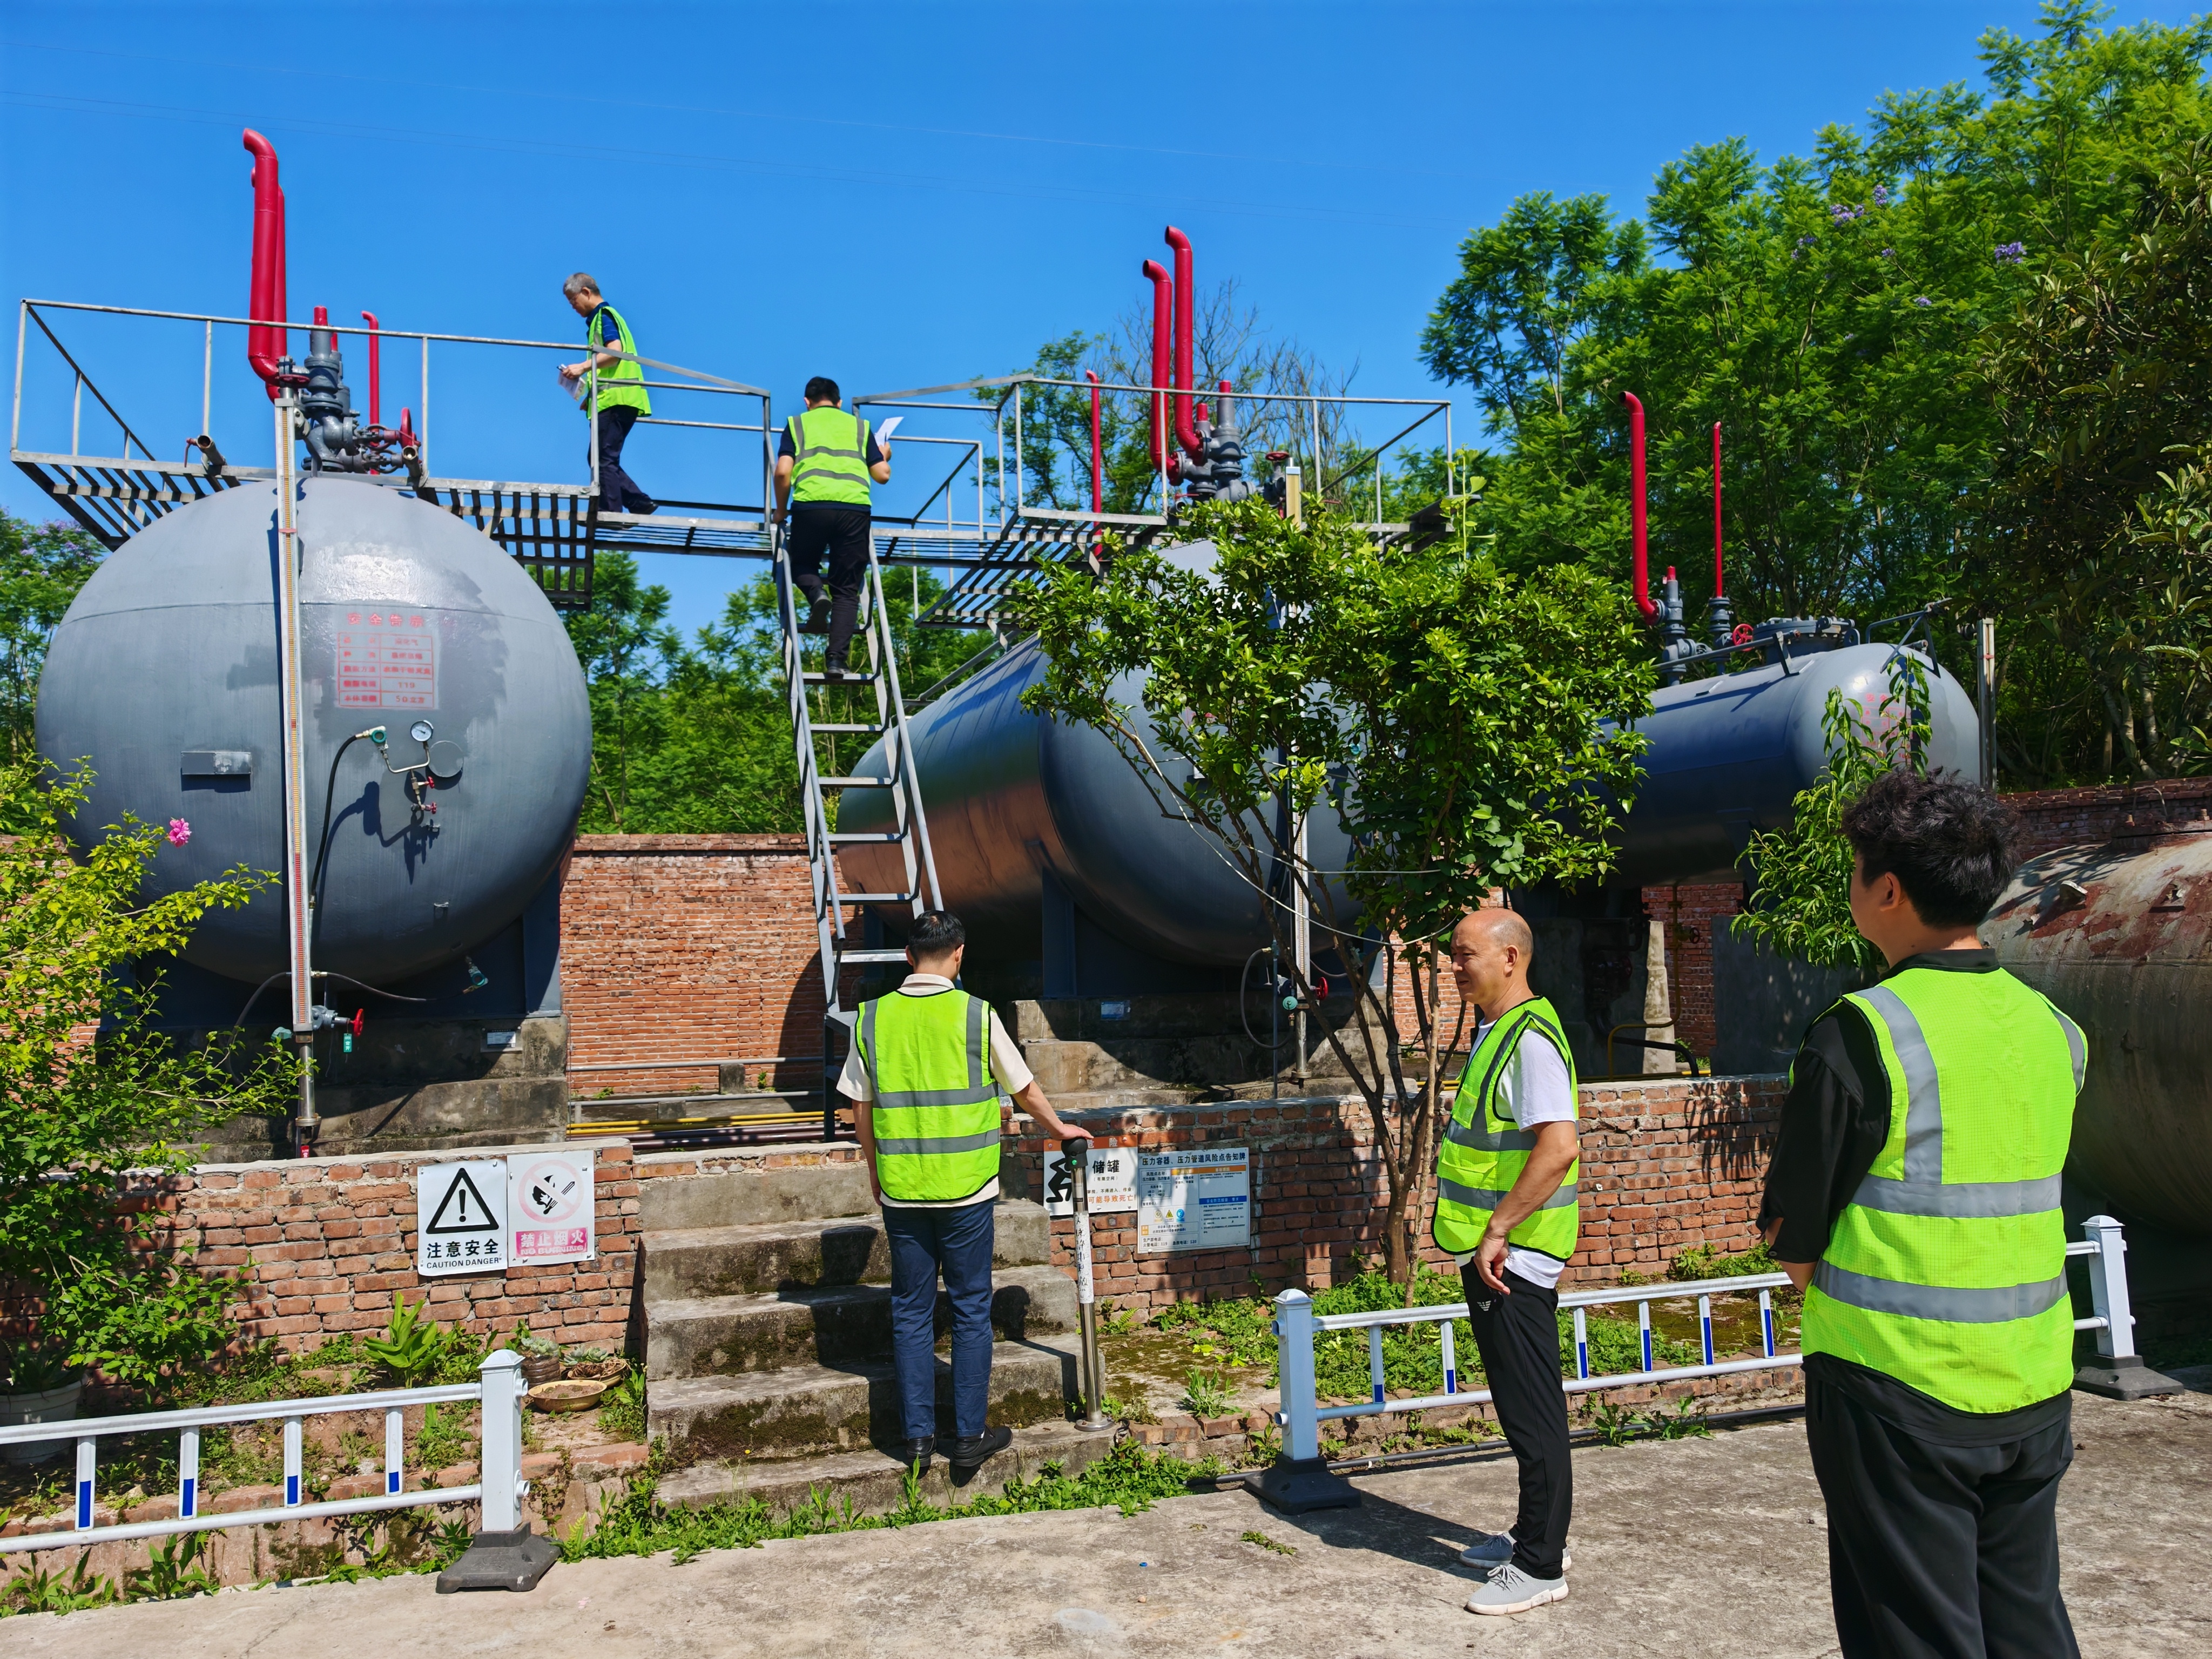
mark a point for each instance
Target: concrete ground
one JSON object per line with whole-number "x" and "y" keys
{"x": 1688, "y": 1548}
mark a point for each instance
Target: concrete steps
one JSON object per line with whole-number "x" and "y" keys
{"x": 796, "y": 1411}
{"x": 768, "y": 1337}
{"x": 872, "y": 1482}
{"x": 717, "y": 1335}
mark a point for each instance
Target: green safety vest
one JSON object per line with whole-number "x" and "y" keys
{"x": 832, "y": 450}
{"x": 1947, "y": 1268}
{"x": 621, "y": 386}
{"x": 1483, "y": 1151}
{"x": 937, "y": 1105}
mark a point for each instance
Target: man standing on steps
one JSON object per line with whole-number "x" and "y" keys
{"x": 1506, "y": 1210}
{"x": 620, "y": 390}
{"x": 823, "y": 468}
{"x": 928, "y": 1075}
{"x": 1914, "y": 1198}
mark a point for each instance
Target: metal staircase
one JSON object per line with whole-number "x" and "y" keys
{"x": 838, "y": 924}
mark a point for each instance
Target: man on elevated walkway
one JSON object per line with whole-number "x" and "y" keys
{"x": 823, "y": 467}
{"x": 928, "y": 1074}
{"x": 620, "y": 391}
{"x": 1506, "y": 1210}
{"x": 1914, "y": 1198}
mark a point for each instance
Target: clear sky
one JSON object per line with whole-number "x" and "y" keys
{"x": 896, "y": 195}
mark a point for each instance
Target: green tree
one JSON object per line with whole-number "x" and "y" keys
{"x": 1468, "y": 703}
{"x": 86, "y": 1279}
{"x": 41, "y": 568}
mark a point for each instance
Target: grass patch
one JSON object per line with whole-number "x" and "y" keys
{"x": 1129, "y": 1477}
{"x": 1266, "y": 1543}
{"x": 1205, "y": 1396}
{"x": 1703, "y": 1262}
{"x": 622, "y": 1415}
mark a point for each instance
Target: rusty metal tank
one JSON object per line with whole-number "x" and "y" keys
{"x": 2118, "y": 933}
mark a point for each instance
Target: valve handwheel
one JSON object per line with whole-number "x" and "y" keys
{"x": 1742, "y": 635}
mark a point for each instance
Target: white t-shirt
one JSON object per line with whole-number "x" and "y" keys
{"x": 1011, "y": 1071}
{"x": 1534, "y": 1088}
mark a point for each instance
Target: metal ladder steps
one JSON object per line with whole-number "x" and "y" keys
{"x": 871, "y": 898}
{"x": 853, "y": 783}
{"x": 844, "y": 725}
{"x": 865, "y": 957}
{"x": 850, "y": 676}
{"x": 853, "y": 837}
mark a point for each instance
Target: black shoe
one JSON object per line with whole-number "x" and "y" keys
{"x": 642, "y": 506}
{"x": 817, "y": 618}
{"x": 833, "y": 668}
{"x": 971, "y": 1452}
{"x": 918, "y": 1452}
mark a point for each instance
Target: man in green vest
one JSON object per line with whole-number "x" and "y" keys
{"x": 1914, "y": 1198}
{"x": 928, "y": 1075}
{"x": 1506, "y": 1211}
{"x": 823, "y": 469}
{"x": 619, "y": 388}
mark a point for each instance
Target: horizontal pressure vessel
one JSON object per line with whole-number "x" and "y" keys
{"x": 164, "y": 675}
{"x": 2118, "y": 934}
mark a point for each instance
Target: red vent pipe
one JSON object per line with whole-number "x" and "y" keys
{"x": 264, "y": 343}
{"x": 1636, "y": 505}
{"x": 1155, "y": 429}
{"x": 369, "y": 317}
{"x": 1719, "y": 589}
{"x": 1186, "y": 300}
{"x": 1097, "y": 448}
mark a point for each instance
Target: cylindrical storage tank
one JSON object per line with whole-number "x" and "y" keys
{"x": 1009, "y": 795}
{"x": 164, "y": 675}
{"x": 2119, "y": 936}
{"x": 1729, "y": 754}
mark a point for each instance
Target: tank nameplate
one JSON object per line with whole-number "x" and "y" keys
{"x": 387, "y": 659}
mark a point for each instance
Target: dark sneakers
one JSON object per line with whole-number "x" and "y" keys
{"x": 817, "y": 618}
{"x": 971, "y": 1452}
{"x": 918, "y": 1452}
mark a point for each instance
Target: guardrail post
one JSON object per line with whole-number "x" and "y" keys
{"x": 1077, "y": 1154}
{"x": 1299, "y": 1479}
{"x": 2122, "y": 1374}
{"x": 504, "y": 1555}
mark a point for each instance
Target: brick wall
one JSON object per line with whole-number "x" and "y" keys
{"x": 1667, "y": 1164}
{"x": 689, "y": 947}
{"x": 2063, "y": 817}
{"x": 1689, "y": 913}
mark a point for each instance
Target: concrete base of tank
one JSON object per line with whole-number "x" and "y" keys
{"x": 413, "y": 1085}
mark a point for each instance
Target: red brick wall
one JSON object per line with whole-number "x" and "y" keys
{"x": 1667, "y": 1164}
{"x": 689, "y": 947}
{"x": 1688, "y": 914}
{"x": 2063, "y": 817}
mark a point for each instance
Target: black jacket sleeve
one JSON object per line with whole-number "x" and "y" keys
{"x": 1833, "y": 1125}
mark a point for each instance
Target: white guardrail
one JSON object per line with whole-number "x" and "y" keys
{"x": 499, "y": 1487}
{"x": 1296, "y": 1323}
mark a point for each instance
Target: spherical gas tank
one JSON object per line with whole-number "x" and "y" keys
{"x": 2119, "y": 936}
{"x": 1009, "y": 795}
{"x": 164, "y": 674}
{"x": 1728, "y": 754}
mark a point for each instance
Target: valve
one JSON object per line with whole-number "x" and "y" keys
{"x": 477, "y": 979}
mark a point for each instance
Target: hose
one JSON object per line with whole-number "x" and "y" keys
{"x": 1244, "y": 1017}
{"x": 323, "y": 841}
{"x": 320, "y": 973}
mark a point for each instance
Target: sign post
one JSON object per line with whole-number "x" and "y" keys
{"x": 1077, "y": 1160}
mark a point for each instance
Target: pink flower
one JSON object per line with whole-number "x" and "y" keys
{"x": 180, "y": 832}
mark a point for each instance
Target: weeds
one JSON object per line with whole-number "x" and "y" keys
{"x": 1205, "y": 1394}
{"x": 1703, "y": 1262}
{"x": 175, "y": 1571}
{"x": 33, "y": 1590}
{"x": 1266, "y": 1543}
{"x": 1615, "y": 1426}
{"x": 442, "y": 1441}
{"x": 621, "y": 1415}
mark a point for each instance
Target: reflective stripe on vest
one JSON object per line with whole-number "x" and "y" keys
{"x": 936, "y": 1112}
{"x": 830, "y": 450}
{"x": 1482, "y": 1153}
{"x": 621, "y": 386}
{"x": 1947, "y": 1269}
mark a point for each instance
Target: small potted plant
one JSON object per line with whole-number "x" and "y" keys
{"x": 541, "y": 1357}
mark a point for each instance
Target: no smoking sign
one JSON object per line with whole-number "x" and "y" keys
{"x": 549, "y": 1206}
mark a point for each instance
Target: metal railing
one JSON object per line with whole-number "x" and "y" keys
{"x": 499, "y": 1486}
{"x": 1296, "y": 1324}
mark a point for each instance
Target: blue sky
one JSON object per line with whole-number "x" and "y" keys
{"x": 894, "y": 195}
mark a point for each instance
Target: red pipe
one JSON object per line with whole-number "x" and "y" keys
{"x": 1186, "y": 299}
{"x": 1156, "y": 437}
{"x": 374, "y": 341}
{"x": 264, "y": 344}
{"x": 1719, "y": 589}
{"x": 1636, "y": 505}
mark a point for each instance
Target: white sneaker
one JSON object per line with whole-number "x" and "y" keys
{"x": 1508, "y": 1589}
{"x": 1495, "y": 1549}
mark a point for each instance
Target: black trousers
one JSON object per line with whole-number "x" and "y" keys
{"x": 841, "y": 533}
{"x": 1939, "y": 1551}
{"x": 618, "y": 491}
{"x": 1518, "y": 1337}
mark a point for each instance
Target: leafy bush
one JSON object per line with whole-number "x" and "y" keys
{"x": 1703, "y": 1262}
{"x": 418, "y": 1350}
{"x": 86, "y": 1269}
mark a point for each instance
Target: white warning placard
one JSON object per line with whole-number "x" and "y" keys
{"x": 460, "y": 1219}
{"x": 551, "y": 1202}
{"x": 1198, "y": 1197}
{"x": 1113, "y": 1187}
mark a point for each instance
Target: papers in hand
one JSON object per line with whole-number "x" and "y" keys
{"x": 883, "y": 432}
{"x": 577, "y": 387}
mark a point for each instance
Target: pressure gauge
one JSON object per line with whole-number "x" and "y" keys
{"x": 421, "y": 731}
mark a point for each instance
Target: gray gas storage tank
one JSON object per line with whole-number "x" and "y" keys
{"x": 1729, "y": 754}
{"x": 1011, "y": 795}
{"x": 164, "y": 674}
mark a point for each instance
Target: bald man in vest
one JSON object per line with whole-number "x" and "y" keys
{"x": 1506, "y": 1211}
